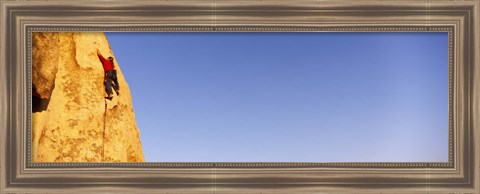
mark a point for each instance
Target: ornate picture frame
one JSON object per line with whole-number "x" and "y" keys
{"x": 459, "y": 18}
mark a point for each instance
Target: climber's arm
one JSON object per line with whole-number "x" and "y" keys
{"x": 102, "y": 59}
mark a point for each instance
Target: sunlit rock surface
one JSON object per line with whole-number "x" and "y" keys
{"x": 71, "y": 120}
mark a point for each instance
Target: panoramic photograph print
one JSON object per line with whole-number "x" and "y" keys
{"x": 240, "y": 97}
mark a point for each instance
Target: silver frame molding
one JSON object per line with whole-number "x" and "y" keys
{"x": 311, "y": 28}
{"x": 460, "y": 18}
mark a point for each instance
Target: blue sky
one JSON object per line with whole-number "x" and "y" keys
{"x": 288, "y": 97}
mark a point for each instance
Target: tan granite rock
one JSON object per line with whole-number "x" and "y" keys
{"x": 71, "y": 120}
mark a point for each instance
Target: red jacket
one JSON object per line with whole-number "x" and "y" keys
{"x": 107, "y": 64}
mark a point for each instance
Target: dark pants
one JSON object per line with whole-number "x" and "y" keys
{"x": 111, "y": 76}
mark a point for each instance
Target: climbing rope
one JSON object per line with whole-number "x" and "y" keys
{"x": 104, "y": 128}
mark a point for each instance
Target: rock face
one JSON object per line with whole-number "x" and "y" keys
{"x": 71, "y": 120}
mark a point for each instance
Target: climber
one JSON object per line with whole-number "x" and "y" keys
{"x": 110, "y": 75}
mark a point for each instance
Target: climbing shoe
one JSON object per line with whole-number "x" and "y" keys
{"x": 110, "y": 96}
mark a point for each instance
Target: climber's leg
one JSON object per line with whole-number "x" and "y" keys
{"x": 109, "y": 84}
{"x": 105, "y": 85}
{"x": 115, "y": 81}
{"x": 114, "y": 78}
